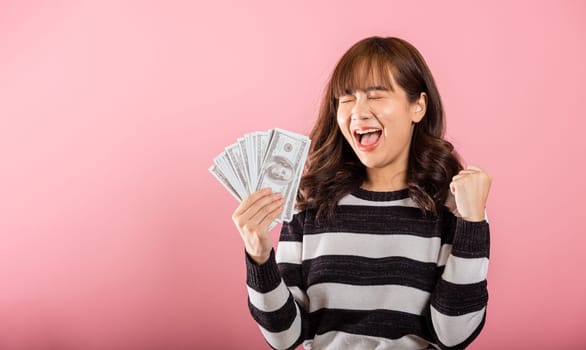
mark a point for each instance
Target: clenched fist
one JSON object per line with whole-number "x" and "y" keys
{"x": 470, "y": 188}
{"x": 253, "y": 217}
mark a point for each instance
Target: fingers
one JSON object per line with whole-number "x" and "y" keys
{"x": 273, "y": 214}
{"x": 470, "y": 170}
{"x": 261, "y": 206}
{"x": 248, "y": 201}
{"x": 252, "y": 219}
{"x": 452, "y": 188}
{"x": 255, "y": 208}
{"x": 265, "y": 209}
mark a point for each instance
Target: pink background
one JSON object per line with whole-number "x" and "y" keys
{"x": 113, "y": 235}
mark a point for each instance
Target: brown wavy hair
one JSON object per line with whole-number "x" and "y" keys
{"x": 333, "y": 170}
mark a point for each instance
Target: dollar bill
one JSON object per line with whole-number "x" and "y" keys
{"x": 220, "y": 176}
{"x": 222, "y": 164}
{"x": 293, "y": 195}
{"x": 263, "y": 139}
{"x": 283, "y": 163}
{"x": 245, "y": 162}
{"x": 237, "y": 163}
{"x": 275, "y": 159}
{"x": 252, "y": 155}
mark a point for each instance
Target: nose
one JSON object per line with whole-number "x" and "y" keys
{"x": 360, "y": 109}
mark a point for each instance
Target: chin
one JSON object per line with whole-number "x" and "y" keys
{"x": 370, "y": 163}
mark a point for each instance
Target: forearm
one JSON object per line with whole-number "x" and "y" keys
{"x": 271, "y": 304}
{"x": 458, "y": 303}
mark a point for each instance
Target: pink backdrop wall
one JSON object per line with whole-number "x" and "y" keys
{"x": 113, "y": 235}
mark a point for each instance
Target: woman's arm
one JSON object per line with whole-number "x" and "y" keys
{"x": 276, "y": 296}
{"x": 458, "y": 303}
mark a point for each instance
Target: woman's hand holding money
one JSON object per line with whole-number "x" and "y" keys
{"x": 253, "y": 217}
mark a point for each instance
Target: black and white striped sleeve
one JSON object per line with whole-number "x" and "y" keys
{"x": 458, "y": 303}
{"x": 276, "y": 299}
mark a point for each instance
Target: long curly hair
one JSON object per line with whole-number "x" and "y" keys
{"x": 333, "y": 170}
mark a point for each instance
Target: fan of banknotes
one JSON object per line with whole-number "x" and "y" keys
{"x": 258, "y": 160}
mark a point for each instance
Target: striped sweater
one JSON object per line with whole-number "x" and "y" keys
{"x": 381, "y": 276}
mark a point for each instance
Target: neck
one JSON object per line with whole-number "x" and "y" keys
{"x": 385, "y": 179}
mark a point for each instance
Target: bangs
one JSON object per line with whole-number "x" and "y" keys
{"x": 358, "y": 72}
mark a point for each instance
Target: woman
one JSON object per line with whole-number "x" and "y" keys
{"x": 389, "y": 248}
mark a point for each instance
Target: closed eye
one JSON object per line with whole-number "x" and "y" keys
{"x": 346, "y": 99}
{"x": 376, "y": 97}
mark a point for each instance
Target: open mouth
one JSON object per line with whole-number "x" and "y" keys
{"x": 367, "y": 137}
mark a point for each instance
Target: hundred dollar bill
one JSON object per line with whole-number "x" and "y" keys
{"x": 263, "y": 142}
{"x": 293, "y": 196}
{"x": 245, "y": 162}
{"x": 237, "y": 162}
{"x": 283, "y": 163}
{"x": 251, "y": 160}
{"x": 223, "y": 165}
{"x": 219, "y": 175}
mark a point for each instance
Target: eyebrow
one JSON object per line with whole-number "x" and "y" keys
{"x": 378, "y": 87}
{"x": 370, "y": 88}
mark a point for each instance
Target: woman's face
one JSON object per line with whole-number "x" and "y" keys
{"x": 378, "y": 123}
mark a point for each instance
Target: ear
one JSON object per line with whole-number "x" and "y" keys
{"x": 418, "y": 108}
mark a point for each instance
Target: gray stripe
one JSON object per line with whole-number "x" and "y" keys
{"x": 353, "y": 200}
{"x": 452, "y": 330}
{"x": 444, "y": 254}
{"x": 336, "y": 340}
{"x": 300, "y": 296}
{"x": 424, "y": 249}
{"x": 465, "y": 271}
{"x": 271, "y": 301}
{"x": 351, "y": 297}
{"x": 289, "y": 252}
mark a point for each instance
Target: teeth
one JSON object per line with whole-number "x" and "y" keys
{"x": 362, "y": 132}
